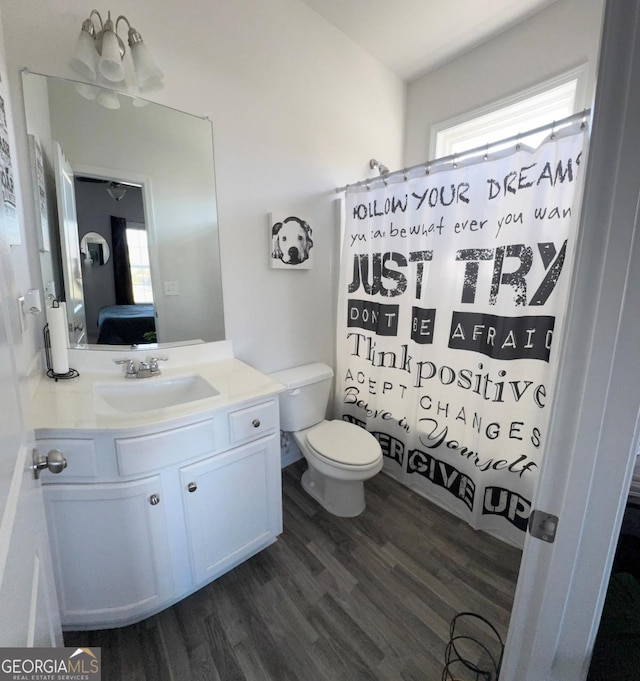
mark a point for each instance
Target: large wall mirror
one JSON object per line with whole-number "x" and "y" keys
{"x": 138, "y": 178}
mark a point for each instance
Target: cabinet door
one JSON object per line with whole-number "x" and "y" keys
{"x": 233, "y": 506}
{"x": 110, "y": 551}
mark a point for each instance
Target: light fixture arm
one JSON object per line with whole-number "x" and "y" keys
{"x": 95, "y": 11}
{"x": 108, "y": 26}
{"x": 123, "y": 18}
{"x": 134, "y": 35}
{"x": 88, "y": 26}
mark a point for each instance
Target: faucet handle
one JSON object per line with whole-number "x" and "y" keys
{"x": 153, "y": 363}
{"x": 131, "y": 368}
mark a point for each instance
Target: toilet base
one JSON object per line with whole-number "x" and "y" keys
{"x": 342, "y": 498}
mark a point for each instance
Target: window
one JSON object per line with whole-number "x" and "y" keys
{"x": 139, "y": 265}
{"x": 550, "y": 101}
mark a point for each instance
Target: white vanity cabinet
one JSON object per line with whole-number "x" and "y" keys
{"x": 110, "y": 550}
{"x": 229, "y": 507}
{"x": 142, "y": 517}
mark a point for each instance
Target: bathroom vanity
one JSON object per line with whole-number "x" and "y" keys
{"x": 156, "y": 501}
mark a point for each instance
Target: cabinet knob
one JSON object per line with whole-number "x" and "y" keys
{"x": 54, "y": 461}
{"x": 154, "y": 499}
{"x": 256, "y": 423}
{"x": 192, "y": 487}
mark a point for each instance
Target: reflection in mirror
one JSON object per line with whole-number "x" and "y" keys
{"x": 118, "y": 299}
{"x": 142, "y": 218}
{"x": 94, "y": 249}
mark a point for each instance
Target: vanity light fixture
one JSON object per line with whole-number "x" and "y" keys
{"x": 100, "y": 52}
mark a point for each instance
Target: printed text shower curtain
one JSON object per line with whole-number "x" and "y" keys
{"x": 453, "y": 286}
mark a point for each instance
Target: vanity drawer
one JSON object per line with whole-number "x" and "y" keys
{"x": 80, "y": 456}
{"x": 150, "y": 452}
{"x": 253, "y": 422}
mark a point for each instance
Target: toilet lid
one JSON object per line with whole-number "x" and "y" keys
{"x": 344, "y": 443}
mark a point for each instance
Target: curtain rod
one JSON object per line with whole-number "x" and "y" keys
{"x": 428, "y": 165}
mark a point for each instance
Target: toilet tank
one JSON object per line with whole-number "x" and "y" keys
{"x": 307, "y": 396}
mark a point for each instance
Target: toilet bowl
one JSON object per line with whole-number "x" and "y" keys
{"x": 340, "y": 455}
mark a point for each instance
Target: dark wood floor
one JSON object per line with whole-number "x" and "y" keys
{"x": 333, "y": 599}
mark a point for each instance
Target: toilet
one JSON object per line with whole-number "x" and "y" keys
{"x": 340, "y": 455}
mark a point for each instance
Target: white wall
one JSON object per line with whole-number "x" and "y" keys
{"x": 560, "y": 37}
{"x": 297, "y": 110}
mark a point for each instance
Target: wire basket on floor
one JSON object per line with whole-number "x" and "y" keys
{"x": 474, "y": 651}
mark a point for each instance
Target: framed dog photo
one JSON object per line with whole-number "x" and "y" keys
{"x": 290, "y": 242}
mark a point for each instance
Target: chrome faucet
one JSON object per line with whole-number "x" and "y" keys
{"x": 146, "y": 368}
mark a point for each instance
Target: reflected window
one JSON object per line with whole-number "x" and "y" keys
{"x": 139, "y": 264}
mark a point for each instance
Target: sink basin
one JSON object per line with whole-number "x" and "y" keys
{"x": 147, "y": 394}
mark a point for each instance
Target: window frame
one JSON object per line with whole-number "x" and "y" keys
{"x": 443, "y": 137}
{"x": 140, "y": 228}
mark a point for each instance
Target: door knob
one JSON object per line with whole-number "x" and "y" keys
{"x": 192, "y": 487}
{"x": 54, "y": 461}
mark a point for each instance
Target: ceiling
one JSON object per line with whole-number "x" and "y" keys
{"x": 412, "y": 37}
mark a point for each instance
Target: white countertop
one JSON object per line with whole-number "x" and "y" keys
{"x": 73, "y": 404}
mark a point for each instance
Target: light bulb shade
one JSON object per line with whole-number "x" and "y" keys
{"x": 110, "y": 64}
{"x": 108, "y": 99}
{"x": 84, "y": 56}
{"x": 87, "y": 91}
{"x": 148, "y": 74}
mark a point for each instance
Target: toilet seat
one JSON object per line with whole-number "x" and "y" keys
{"x": 342, "y": 443}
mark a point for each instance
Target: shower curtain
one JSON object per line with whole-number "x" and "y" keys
{"x": 453, "y": 287}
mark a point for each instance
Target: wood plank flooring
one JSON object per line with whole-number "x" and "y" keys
{"x": 333, "y": 599}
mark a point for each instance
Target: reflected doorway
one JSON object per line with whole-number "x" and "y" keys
{"x": 118, "y": 292}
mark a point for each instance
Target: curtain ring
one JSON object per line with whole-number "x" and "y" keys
{"x": 405, "y": 175}
{"x": 518, "y": 145}
{"x": 486, "y": 153}
{"x": 583, "y": 125}
{"x": 427, "y": 169}
{"x": 553, "y": 131}
{"x": 455, "y": 161}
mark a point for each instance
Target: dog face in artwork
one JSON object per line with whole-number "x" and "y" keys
{"x": 291, "y": 241}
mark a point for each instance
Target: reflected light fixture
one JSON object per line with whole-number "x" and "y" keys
{"x": 100, "y": 52}
{"x": 116, "y": 190}
{"x": 108, "y": 99}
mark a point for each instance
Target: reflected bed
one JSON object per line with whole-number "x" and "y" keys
{"x": 126, "y": 324}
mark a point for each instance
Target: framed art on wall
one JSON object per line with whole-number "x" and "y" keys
{"x": 11, "y": 224}
{"x": 290, "y": 242}
{"x": 39, "y": 194}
